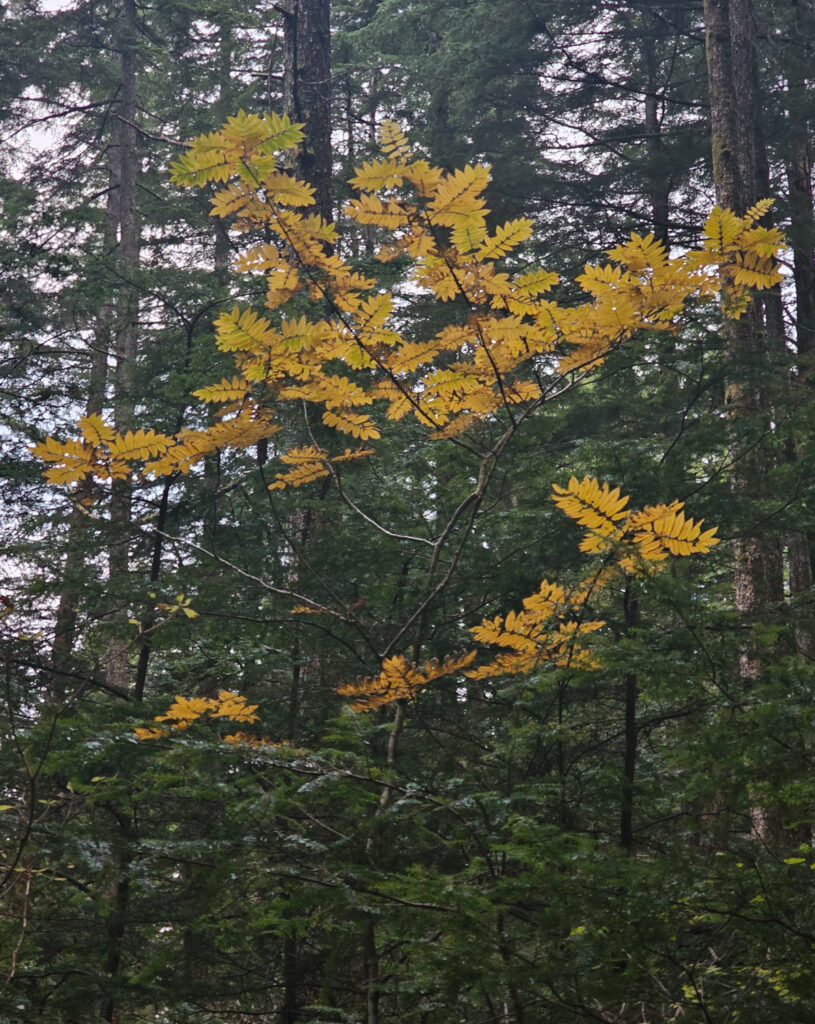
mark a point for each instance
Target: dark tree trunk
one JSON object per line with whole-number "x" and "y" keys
{"x": 630, "y": 694}
{"x": 658, "y": 178}
{"x": 117, "y": 670}
{"x": 115, "y": 928}
{"x": 739, "y": 170}
{"x": 62, "y": 652}
{"x": 307, "y": 91}
{"x": 802, "y": 238}
{"x": 371, "y": 956}
{"x": 292, "y": 982}
{"x": 730, "y": 54}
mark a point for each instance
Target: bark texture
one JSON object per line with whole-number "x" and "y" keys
{"x": 65, "y": 626}
{"x": 631, "y": 610}
{"x": 307, "y": 91}
{"x": 659, "y": 185}
{"x": 739, "y": 169}
{"x": 117, "y": 670}
{"x": 802, "y": 238}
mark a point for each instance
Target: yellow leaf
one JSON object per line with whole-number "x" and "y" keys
{"x": 350, "y": 455}
{"x": 138, "y": 445}
{"x": 459, "y": 195}
{"x": 301, "y": 456}
{"x": 424, "y": 177}
{"x": 393, "y": 140}
{"x": 305, "y": 473}
{"x": 150, "y": 734}
{"x": 357, "y": 424}
{"x": 370, "y": 209}
{"x": 185, "y": 710}
{"x": 234, "y": 390}
{"x": 95, "y": 430}
{"x": 721, "y": 229}
{"x": 233, "y": 198}
{"x": 468, "y": 234}
{"x": 640, "y": 254}
{"x": 590, "y": 504}
{"x": 233, "y": 706}
{"x": 759, "y": 210}
{"x": 286, "y": 189}
{"x": 506, "y": 238}
{"x": 244, "y": 332}
{"x": 377, "y": 175}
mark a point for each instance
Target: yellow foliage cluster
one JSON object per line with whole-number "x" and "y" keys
{"x": 553, "y": 626}
{"x": 107, "y": 455}
{"x": 399, "y": 680}
{"x": 184, "y": 711}
{"x": 101, "y": 452}
{"x": 351, "y": 360}
{"x": 551, "y": 629}
{"x": 555, "y": 622}
{"x": 744, "y": 250}
{"x": 646, "y": 536}
{"x": 310, "y": 463}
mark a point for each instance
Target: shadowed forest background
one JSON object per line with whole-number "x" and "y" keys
{"x": 624, "y": 835}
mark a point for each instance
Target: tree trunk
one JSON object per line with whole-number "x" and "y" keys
{"x": 371, "y": 957}
{"x": 291, "y": 981}
{"x": 115, "y": 927}
{"x": 730, "y": 52}
{"x": 630, "y": 694}
{"x": 62, "y": 652}
{"x": 116, "y": 668}
{"x": 741, "y": 178}
{"x": 307, "y": 91}
{"x": 802, "y": 238}
{"x": 658, "y": 179}
{"x": 802, "y": 230}
{"x": 737, "y": 171}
